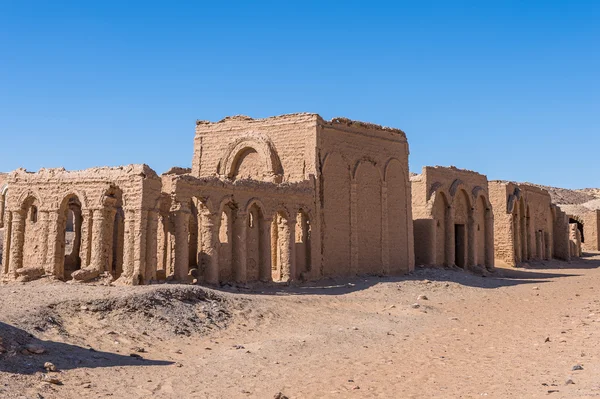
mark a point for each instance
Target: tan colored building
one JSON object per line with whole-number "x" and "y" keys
{"x": 292, "y": 197}
{"x": 453, "y": 218}
{"x": 588, "y": 224}
{"x": 282, "y": 198}
{"x": 112, "y": 211}
{"x": 574, "y": 240}
{"x": 527, "y": 226}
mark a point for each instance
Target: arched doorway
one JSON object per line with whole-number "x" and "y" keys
{"x": 70, "y": 221}
{"x": 303, "y": 242}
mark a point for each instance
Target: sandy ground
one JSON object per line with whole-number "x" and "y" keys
{"x": 516, "y": 334}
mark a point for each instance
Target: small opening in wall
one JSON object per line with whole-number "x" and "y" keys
{"x": 33, "y": 214}
{"x": 251, "y": 220}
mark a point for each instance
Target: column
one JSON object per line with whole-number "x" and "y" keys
{"x": 151, "y": 246}
{"x": 353, "y": 228}
{"x": 181, "y": 219}
{"x": 17, "y": 241}
{"x": 450, "y": 239}
{"x": 489, "y": 239}
{"x": 7, "y": 246}
{"x": 128, "y": 247}
{"x": 54, "y": 249}
{"x": 385, "y": 234}
{"x": 98, "y": 258}
{"x": 210, "y": 247}
{"x": 2, "y": 205}
{"x": 139, "y": 252}
{"x": 471, "y": 245}
{"x": 264, "y": 270}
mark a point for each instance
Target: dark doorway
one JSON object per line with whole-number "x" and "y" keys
{"x": 459, "y": 245}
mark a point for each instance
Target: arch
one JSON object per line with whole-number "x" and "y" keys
{"x": 226, "y": 223}
{"x": 336, "y": 179}
{"x": 456, "y": 184}
{"x": 4, "y": 189}
{"x": 303, "y": 242}
{"x": 369, "y": 217}
{"x": 463, "y": 237}
{"x": 81, "y": 197}
{"x": 258, "y": 242}
{"x": 266, "y": 156}
{"x": 365, "y": 161}
{"x": 69, "y": 239}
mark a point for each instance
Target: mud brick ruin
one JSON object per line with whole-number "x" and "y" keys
{"x": 291, "y": 197}
{"x": 527, "y": 226}
{"x": 453, "y": 218}
{"x": 277, "y": 199}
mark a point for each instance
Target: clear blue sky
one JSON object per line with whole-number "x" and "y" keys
{"x": 507, "y": 88}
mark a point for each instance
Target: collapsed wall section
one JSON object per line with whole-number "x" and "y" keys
{"x": 110, "y": 209}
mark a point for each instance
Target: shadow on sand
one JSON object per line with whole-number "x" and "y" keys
{"x": 63, "y": 356}
{"x": 532, "y": 273}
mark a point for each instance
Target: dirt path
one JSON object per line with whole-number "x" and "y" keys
{"x": 517, "y": 334}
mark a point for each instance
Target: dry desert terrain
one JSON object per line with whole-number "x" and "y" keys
{"x": 523, "y": 333}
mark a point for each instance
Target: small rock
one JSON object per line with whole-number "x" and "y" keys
{"x": 415, "y": 306}
{"x": 135, "y": 355}
{"x": 454, "y": 318}
{"x": 49, "y": 366}
{"x": 178, "y": 365}
{"x": 139, "y": 349}
{"x": 535, "y": 288}
{"x": 35, "y": 349}
{"x": 577, "y": 367}
{"x": 355, "y": 387}
{"x": 51, "y": 379}
{"x": 547, "y": 339}
{"x": 422, "y": 298}
{"x": 355, "y": 328}
{"x": 238, "y": 346}
{"x": 280, "y": 395}
{"x": 569, "y": 382}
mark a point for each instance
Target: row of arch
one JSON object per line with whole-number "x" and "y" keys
{"x": 62, "y": 240}
{"x": 366, "y": 216}
{"x": 233, "y": 244}
{"x": 462, "y": 233}
{"x": 532, "y": 239}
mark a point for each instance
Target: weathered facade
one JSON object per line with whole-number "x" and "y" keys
{"x": 588, "y": 224}
{"x": 110, "y": 208}
{"x": 525, "y": 224}
{"x": 453, "y": 218}
{"x": 276, "y": 199}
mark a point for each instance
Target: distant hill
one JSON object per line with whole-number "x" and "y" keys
{"x": 574, "y": 201}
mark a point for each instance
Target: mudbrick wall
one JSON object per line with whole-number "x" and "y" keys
{"x": 453, "y": 218}
{"x": 282, "y": 198}
{"x": 111, "y": 209}
{"x": 525, "y": 222}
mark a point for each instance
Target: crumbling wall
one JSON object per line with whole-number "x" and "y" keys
{"x": 575, "y": 240}
{"x": 591, "y": 231}
{"x": 561, "y": 234}
{"x": 37, "y": 213}
{"x": 525, "y": 231}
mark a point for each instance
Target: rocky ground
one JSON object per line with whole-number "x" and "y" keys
{"x": 438, "y": 333}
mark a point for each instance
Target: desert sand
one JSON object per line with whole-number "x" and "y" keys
{"x": 515, "y": 333}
